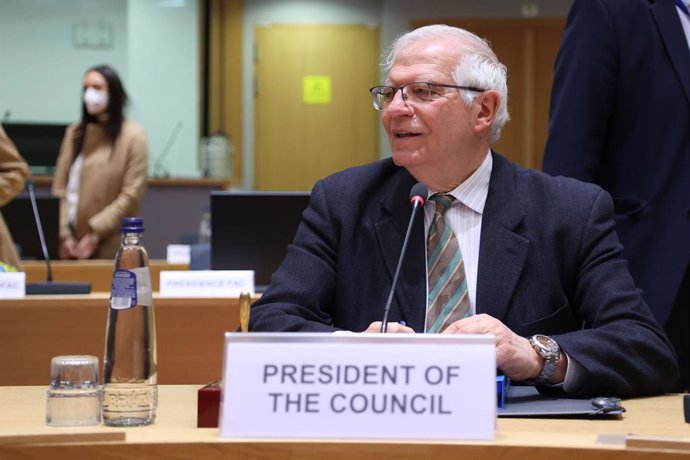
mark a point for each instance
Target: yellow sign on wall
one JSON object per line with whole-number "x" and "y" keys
{"x": 316, "y": 89}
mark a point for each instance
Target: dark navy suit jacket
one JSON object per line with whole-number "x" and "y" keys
{"x": 549, "y": 262}
{"x": 620, "y": 117}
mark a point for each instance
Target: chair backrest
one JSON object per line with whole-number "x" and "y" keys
{"x": 252, "y": 230}
{"x": 200, "y": 256}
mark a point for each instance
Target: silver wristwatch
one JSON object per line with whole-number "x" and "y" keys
{"x": 550, "y": 351}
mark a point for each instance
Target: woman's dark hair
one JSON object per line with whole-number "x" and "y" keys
{"x": 117, "y": 100}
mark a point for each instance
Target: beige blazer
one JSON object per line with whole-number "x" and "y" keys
{"x": 112, "y": 183}
{"x": 13, "y": 173}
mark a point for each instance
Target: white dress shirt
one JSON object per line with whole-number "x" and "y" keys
{"x": 72, "y": 192}
{"x": 685, "y": 21}
{"x": 464, "y": 217}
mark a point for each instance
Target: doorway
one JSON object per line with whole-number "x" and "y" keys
{"x": 313, "y": 113}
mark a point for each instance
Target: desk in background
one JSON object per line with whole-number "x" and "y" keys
{"x": 190, "y": 335}
{"x": 97, "y": 272}
{"x": 171, "y": 207}
{"x": 174, "y": 435}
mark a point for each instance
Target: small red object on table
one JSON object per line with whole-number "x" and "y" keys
{"x": 208, "y": 405}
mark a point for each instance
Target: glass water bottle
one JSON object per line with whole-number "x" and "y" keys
{"x": 130, "y": 391}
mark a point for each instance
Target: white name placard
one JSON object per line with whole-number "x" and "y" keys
{"x": 178, "y": 254}
{"x": 206, "y": 283}
{"x": 376, "y": 386}
{"x": 12, "y": 285}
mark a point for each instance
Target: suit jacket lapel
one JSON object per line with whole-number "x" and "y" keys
{"x": 409, "y": 300}
{"x": 666, "y": 18}
{"x": 502, "y": 251}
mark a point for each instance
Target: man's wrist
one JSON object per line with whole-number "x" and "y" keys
{"x": 550, "y": 354}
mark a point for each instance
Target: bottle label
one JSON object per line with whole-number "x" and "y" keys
{"x": 144, "y": 290}
{"x": 123, "y": 291}
{"x": 130, "y": 288}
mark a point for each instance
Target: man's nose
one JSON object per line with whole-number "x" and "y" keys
{"x": 399, "y": 100}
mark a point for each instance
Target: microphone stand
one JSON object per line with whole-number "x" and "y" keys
{"x": 417, "y": 197}
{"x": 158, "y": 169}
{"x": 49, "y": 287}
{"x": 39, "y": 226}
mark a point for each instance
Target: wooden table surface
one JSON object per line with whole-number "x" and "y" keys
{"x": 23, "y": 434}
{"x": 97, "y": 272}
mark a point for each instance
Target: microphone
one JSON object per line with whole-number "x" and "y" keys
{"x": 158, "y": 169}
{"x": 418, "y": 195}
{"x": 49, "y": 287}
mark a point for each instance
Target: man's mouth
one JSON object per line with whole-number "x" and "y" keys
{"x": 401, "y": 134}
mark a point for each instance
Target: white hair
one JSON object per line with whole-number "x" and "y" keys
{"x": 477, "y": 66}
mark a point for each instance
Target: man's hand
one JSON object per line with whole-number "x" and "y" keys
{"x": 392, "y": 327}
{"x": 515, "y": 356}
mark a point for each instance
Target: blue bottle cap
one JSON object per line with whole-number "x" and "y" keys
{"x": 132, "y": 225}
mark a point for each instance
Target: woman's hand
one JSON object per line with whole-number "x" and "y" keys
{"x": 86, "y": 246}
{"x": 67, "y": 248}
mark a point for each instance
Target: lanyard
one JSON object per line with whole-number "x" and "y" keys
{"x": 683, "y": 8}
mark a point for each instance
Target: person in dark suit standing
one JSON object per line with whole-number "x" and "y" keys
{"x": 620, "y": 117}
{"x": 532, "y": 259}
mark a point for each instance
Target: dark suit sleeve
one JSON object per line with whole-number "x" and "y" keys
{"x": 622, "y": 348}
{"x": 583, "y": 92}
{"x": 301, "y": 291}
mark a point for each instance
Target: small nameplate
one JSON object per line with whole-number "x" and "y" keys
{"x": 354, "y": 386}
{"x": 179, "y": 254}
{"x": 206, "y": 283}
{"x": 12, "y": 285}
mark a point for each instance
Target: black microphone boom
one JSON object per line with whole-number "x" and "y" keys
{"x": 50, "y": 287}
{"x": 158, "y": 168}
{"x": 418, "y": 195}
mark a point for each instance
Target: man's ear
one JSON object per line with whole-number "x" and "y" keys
{"x": 488, "y": 103}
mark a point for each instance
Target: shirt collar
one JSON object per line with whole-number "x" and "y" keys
{"x": 473, "y": 191}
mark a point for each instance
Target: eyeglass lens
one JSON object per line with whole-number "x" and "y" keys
{"x": 411, "y": 92}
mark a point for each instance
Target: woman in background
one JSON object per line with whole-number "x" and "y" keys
{"x": 13, "y": 173}
{"x": 101, "y": 170}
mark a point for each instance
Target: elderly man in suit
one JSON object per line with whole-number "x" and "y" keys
{"x": 620, "y": 118}
{"x": 532, "y": 259}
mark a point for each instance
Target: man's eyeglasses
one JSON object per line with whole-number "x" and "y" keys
{"x": 415, "y": 92}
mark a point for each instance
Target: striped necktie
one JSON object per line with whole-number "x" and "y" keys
{"x": 448, "y": 300}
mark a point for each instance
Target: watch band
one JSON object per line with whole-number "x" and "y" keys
{"x": 548, "y": 370}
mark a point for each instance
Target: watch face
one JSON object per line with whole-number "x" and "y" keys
{"x": 546, "y": 343}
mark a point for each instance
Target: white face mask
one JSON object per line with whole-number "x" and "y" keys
{"x": 96, "y": 101}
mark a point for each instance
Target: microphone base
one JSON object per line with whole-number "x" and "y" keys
{"x": 58, "y": 288}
